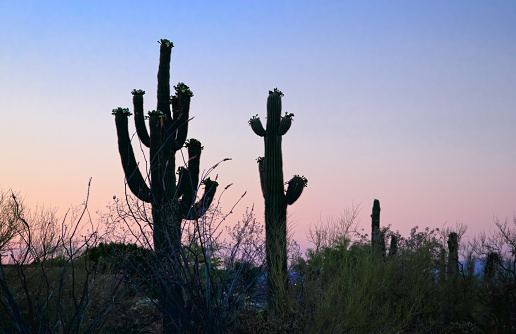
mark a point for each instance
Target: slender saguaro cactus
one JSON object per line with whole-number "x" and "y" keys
{"x": 393, "y": 249}
{"x": 276, "y": 199}
{"x": 453, "y": 254}
{"x": 377, "y": 238}
{"x": 172, "y": 200}
{"x": 493, "y": 261}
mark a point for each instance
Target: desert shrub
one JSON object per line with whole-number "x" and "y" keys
{"x": 347, "y": 288}
{"x": 496, "y": 284}
{"x": 119, "y": 257}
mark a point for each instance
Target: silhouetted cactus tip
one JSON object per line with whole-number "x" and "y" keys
{"x": 209, "y": 182}
{"x": 119, "y": 110}
{"x": 155, "y": 113}
{"x": 277, "y": 91}
{"x": 137, "y": 92}
{"x": 256, "y": 117}
{"x": 166, "y": 42}
{"x": 181, "y": 87}
{"x": 301, "y": 179}
{"x": 192, "y": 142}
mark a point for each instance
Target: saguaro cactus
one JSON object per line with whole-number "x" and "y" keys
{"x": 171, "y": 201}
{"x": 393, "y": 249}
{"x": 276, "y": 199}
{"x": 493, "y": 261}
{"x": 453, "y": 254}
{"x": 377, "y": 237}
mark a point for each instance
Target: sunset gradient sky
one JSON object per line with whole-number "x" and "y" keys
{"x": 411, "y": 102}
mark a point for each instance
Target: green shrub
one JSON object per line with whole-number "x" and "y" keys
{"x": 117, "y": 257}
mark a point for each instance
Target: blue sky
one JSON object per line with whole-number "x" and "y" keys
{"x": 410, "y": 102}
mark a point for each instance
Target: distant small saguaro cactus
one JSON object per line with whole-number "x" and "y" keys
{"x": 377, "y": 237}
{"x": 493, "y": 261}
{"x": 276, "y": 199}
{"x": 393, "y": 249}
{"x": 453, "y": 254}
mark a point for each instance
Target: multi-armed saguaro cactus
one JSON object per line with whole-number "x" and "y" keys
{"x": 171, "y": 202}
{"x": 276, "y": 200}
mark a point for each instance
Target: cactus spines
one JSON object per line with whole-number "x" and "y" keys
{"x": 139, "y": 116}
{"x": 276, "y": 199}
{"x": 171, "y": 202}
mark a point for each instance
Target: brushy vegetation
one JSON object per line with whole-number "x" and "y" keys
{"x": 339, "y": 286}
{"x": 347, "y": 288}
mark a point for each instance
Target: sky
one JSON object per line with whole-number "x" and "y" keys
{"x": 410, "y": 102}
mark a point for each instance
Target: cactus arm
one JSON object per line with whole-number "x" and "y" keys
{"x": 199, "y": 209}
{"x": 133, "y": 175}
{"x": 177, "y": 126}
{"x": 263, "y": 175}
{"x": 172, "y": 124}
{"x": 182, "y": 112}
{"x": 190, "y": 179}
{"x": 139, "y": 117}
{"x": 285, "y": 123}
{"x": 189, "y": 182}
{"x": 184, "y": 177}
{"x": 295, "y": 188}
{"x": 257, "y": 126}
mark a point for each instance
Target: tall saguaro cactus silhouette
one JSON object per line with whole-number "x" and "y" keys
{"x": 276, "y": 199}
{"x": 172, "y": 200}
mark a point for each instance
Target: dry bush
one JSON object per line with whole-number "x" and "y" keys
{"x": 47, "y": 287}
